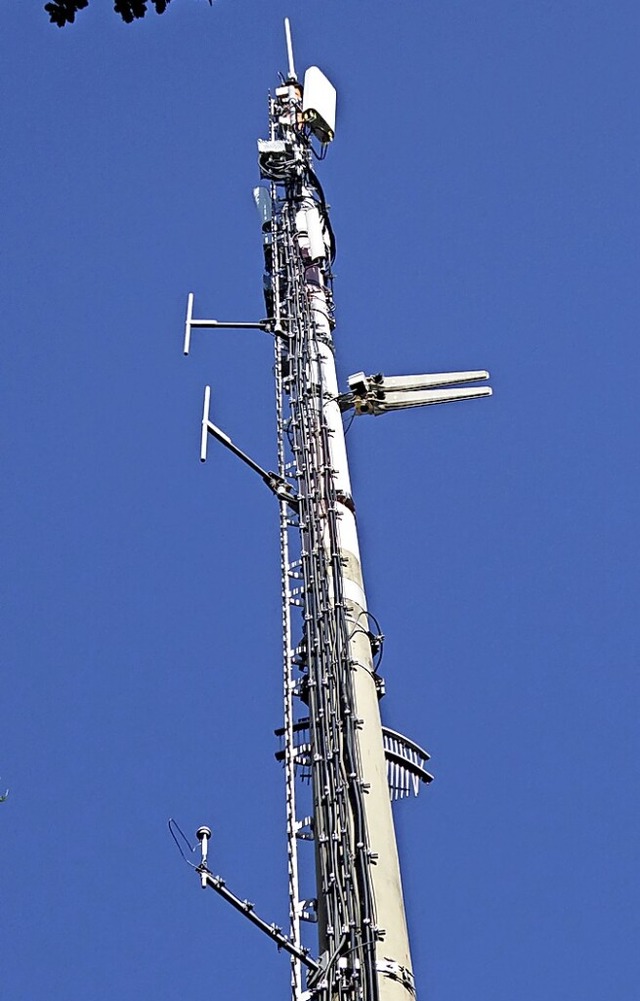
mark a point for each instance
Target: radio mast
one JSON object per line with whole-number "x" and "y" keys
{"x": 342, "y": 767}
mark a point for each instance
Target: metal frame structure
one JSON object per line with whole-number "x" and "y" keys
{"x": 339, "y": 761}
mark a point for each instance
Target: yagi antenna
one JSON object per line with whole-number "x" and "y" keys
{"x": 287, "y": 35}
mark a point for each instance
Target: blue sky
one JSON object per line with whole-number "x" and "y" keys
{"x": 484, "y": 190}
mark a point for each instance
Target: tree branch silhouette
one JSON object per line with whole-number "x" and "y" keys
{"x": 63, "y": 12}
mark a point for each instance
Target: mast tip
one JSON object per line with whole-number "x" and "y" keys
{"x": 287, "y": 35}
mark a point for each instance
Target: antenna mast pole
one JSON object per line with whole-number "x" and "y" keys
{"x": 332, "y": 735}
{"x": 329, "y": 678}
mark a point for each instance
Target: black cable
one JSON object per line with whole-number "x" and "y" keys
{"x": 327, "y": 636}
{"x": 325, "y": 212}
{"x": 352, "y": 417}
{"x": 171, "y": 823}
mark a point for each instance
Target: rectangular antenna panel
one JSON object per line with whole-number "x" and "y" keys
{"x": 319, "y": 104}
{"x": 262, "y": 199}
{"x": 316, "y": 239}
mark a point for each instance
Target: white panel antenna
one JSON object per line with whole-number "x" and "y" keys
{"x": 319, "y": 104}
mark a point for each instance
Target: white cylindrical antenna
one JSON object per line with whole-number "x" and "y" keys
{"x": 287, "y": 35}
{"x": 203, "y": 834}
{"x": 205, "y": 424}
{"x": 187, "y": 325}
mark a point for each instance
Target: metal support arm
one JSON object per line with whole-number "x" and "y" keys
{"x": 190, "y": 323}
{"x": 246, "y": 907}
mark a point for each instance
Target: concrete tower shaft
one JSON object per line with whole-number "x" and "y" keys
{"x": 360, "y": 911}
